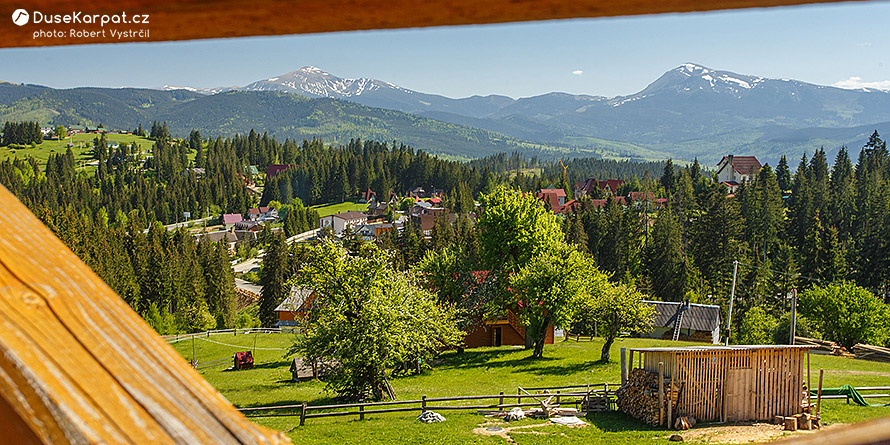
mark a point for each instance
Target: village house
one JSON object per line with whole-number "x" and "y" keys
{"x": 685, "y": 321}
{"x": 501, "y": 331}
{"x": 294, "y": 309}
{"x": 229, "y": 219}
{"x": 341, "y": 221}
{"x": 370, "y": 232}
{"x": 378, "y": 208}
{"x": 368, "y": 196}
{"x": 609, "y": 186}
{"x": 735, "y": 170}
{"x": 274, "y": 169}
{"x": 554, "y": 199}
{"x": 262, "y": 214}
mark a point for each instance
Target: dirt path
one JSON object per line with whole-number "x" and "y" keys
{"x": 741, "y": 433}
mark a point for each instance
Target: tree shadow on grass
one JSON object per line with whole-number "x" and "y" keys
{"x": 618, "y": 422}
{"x": 566, "y": 369}
{"x": 473, "y": 358}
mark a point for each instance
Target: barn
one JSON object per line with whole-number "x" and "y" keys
{"x": 730, "y": 383}
{"x": 685, "y": 321}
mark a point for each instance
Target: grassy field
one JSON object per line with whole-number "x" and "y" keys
{"x": 81, "y": 149}
{"x": 334, "y": 208}
{"x": 477, "y": 371}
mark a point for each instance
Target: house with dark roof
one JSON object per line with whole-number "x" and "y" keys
{"x": 368, "y": 196}
{"x": 610, "y": 186}
{"x": 735, "y": 170}
{"x": 685, "y": 321}
{"x": 294, "y": 309}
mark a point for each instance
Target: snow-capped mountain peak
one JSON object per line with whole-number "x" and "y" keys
{"x": 315, "y": 82}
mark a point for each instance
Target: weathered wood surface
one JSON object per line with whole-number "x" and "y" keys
{"x": 201, "y": 19}
{"x": 77, "y": 365}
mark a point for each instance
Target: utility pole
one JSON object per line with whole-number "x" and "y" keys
{"x": 735, "y": 271}
{"x": 793, "y": 328}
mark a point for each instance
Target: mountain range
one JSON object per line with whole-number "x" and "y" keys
{"x": 690, "y": 111}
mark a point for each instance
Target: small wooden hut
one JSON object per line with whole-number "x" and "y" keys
{"x": 730, "y": 383}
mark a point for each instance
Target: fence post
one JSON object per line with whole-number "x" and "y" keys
{"x": 623, "y": 366}
{"x": 519, "y": 399}
{"x": 361, "y": 412}
{"x": 660, "y": 393}
{"x": 423, "y": 404}
{"x": 557, "y": 397}
{"x": 501, "y": 400}
{"x": 303, "y": 414}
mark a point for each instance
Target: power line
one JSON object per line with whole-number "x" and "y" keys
{"x": 818, "y": 280}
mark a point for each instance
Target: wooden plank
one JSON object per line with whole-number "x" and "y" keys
{"x": 79, "y": 365}
{"x": 660, "y": 393}
{"x": 179, "y": 20}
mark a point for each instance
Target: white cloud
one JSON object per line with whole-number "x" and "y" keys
{"x": 856, "y": 82}
{"x": 577, "y": 72}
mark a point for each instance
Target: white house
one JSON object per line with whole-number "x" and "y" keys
{"x": 735, "y": 170}
{"x": 341, "y": 221}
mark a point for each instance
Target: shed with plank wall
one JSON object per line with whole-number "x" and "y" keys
{"x": 733, "y": 383}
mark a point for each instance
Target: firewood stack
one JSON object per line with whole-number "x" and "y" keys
{"x": 639, "y": 396}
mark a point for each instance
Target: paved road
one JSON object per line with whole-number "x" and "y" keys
{"x": 253, "y": 263}
{"x": 185, "y": 223}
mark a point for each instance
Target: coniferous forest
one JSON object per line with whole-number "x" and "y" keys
{"x": 824, "y": 221}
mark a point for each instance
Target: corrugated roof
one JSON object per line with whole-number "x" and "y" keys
{"x": 723, "y": 348}
{"x": 699, "y": 317}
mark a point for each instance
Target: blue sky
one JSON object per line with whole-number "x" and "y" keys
{"x": 823, "y": 44}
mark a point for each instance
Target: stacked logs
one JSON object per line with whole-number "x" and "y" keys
{"x": 639, "y": 396}
{"x": 871, "y": 352}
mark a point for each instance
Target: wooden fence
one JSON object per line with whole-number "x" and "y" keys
{"x": 305, "y": 411}
{"x": 179, "y": 337}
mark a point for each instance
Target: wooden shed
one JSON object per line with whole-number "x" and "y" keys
{"x": 731, "y": 383}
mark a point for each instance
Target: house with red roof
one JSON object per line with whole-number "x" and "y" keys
{"x": 229, "y": 219}
{"x": 274, "y": 169}
{"x": 735, "y": 170}
{"x": 554, "y": 199}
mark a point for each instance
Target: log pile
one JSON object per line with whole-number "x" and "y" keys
{"x": 639, "y": 397}
{"x": 823, "y": 346}
{"x": 871, "y": 352}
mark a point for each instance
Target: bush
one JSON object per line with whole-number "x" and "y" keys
{"x": 248, "y": 317}
{"x": 847, "y": 314}
{"x": 805, "y": 328}
{"x": 757, "y": 327}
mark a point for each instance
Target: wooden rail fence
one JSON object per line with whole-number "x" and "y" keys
{"x": 179, "y": 337}
{"x": 305, "y": 411}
